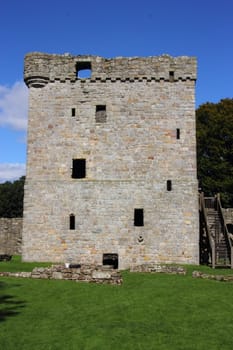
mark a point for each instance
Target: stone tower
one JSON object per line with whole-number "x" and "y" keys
{"x": 111, "y": 160}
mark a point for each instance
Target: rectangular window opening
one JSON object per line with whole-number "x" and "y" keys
{"x": 73, "y": 112}
{"x": 72, "y": 222}
{"x": 169, "y": 185}
{"x": 177, "y": 134}
{"x": 110, "y": 259}
{"x": 171, "y": 76}
{"x": 138, "y": 217}
{"x": 83, "y": 70}
{"x": 100, "y": 114}
{"x": 79, "y": 168}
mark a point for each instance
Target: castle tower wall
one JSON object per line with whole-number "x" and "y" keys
{"x": 111, "y": 160}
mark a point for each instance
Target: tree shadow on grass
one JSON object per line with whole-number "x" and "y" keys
{"x": 9, "y": 305}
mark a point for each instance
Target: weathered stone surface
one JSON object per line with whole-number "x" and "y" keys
{"x": 130, "y": 156}
{"x": 57, "y": 275}
{"x": 16, "y": 274}
{"x": 170, "y": 269}
{"x": 86, "y": 273}
{"x": 41, "y": 68}
{"x": 228, "y": 215}
{"x": 223, "y": 278}
{"x": 101, "y": 274}
{"x": 10, "y": 235}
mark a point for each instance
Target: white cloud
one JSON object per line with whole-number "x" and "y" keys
{"x": 14, "y": 106}
{"x": 11, "y": 171}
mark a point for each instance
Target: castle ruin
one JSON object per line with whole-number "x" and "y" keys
{"x": 111, "y": 160}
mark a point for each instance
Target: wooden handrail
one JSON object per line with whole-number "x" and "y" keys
{"x": 224, "y": 226}
{"x": 211, "y": 240}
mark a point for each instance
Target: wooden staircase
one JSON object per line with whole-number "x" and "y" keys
{"x": 215, "y": 242}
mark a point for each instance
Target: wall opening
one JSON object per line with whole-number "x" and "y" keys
{"x": 111, "y": 259}
{"x": 100, "y": 114}
{"x": 138, "y": 217}
{"x": 72, "y": 222}
{"x": 171, "y": 76}
{"x": 83, "y": 70}
{"x": 73, "y": 112}
{"x": 79, "y": 168}
{"x": 230, "y": 228}
{"x": 169, "y": 185}
{"x": 177, "y": 134}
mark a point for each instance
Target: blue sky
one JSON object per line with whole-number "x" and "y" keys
{"x": 201, "y": 28}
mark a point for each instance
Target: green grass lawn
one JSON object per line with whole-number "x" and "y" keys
{"x": 149, "y": 311}
{"x": 16, "y": 265}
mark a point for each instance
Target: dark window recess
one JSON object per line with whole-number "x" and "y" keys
{"x": 171, "y": 76}
{"x": 230, "y": 228}
{"x": 79, "y": 168}
{"x": 72, "y": 222}
{"x": 73, "y": 112}
{"x": 138, "y": 217}
{"x": 100, "y": 114}
{"x": 177, "y": 134}
{"x": 110, "y": 259}
{"x": 169, "y": 185}
{"x": 74, "y": 266}
{"x": 83, "y": 70}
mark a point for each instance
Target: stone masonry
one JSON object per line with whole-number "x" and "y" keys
{"x": 84, "y": 273}
{"x": 10, "y": 235}
{"x": 228, "y": 215}
{"x": 111, "y": 160}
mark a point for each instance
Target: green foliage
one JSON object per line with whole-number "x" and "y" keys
{"x": 215, "y": 149}
{"x": 11, "y": 198}
{"x": 149, "y": 311}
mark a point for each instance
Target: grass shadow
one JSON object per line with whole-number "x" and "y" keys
{"x": 9, "y": 305}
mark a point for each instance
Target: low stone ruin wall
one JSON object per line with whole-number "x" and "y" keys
{"x": 223, "y": 278}
{"x": 10, "y": 236}
{"x": 170, "y": 269}
{"x": 84, "y": 273}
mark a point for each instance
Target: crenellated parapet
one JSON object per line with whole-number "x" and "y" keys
{"x": 41, "y": 68}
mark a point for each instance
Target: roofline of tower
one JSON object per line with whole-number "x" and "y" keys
{"x": 41, "y": 68}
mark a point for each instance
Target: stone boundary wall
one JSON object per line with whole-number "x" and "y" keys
{"x": 170, "y": 269}
{"x": 84, "y": 273}
{"x": 11, "y": 235}
{"x": 223, "y": 278}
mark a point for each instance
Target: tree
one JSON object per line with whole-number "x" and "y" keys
{"x": 11, "y": 198}
{"x": 215, "y": 149}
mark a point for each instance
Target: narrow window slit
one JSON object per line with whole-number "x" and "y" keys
{"x": 138, "y": 217}
{"x": 177, "y": 134}
{"x": 73, "y": 112}
{"x": 72, "y": 222}
{"x": 169, "y": 185}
